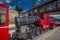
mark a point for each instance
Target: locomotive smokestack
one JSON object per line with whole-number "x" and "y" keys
{"x": 19, "y": 9}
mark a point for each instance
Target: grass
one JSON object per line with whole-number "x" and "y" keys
{"x": 11, "y": 22}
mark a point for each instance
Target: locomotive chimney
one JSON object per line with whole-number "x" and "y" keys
{"x": 19, "y": 9}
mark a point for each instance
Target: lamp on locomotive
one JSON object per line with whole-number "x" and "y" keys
{"x": 4, "y": 22}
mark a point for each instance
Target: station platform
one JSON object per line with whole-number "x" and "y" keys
{"x": 53, "y": 35}
{"x": 49, "y": 35}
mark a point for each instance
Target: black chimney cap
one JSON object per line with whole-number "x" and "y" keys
{"x": 19, "y": 8}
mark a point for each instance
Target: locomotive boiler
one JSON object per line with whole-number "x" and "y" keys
{"x": 21, "y": 21}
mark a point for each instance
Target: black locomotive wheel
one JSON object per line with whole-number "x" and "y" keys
{"x": 38, "y": 31}
{"x": 51, "y": 27}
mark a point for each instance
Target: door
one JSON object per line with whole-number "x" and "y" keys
{"x": 4, "y": 32}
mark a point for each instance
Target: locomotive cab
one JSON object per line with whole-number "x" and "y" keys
{"x": 4, "y": 33}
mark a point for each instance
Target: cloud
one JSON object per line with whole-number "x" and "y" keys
{"x": 12, "y": 7}
{"x": 39, "y": 0}
{"x": 24, "y": 11}
{"x": 8, "y": 1}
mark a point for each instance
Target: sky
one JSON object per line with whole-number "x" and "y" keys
{"x": 26, "y": 4}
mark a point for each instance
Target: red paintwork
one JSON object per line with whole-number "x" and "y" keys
{"x": 44, "y": 22}
{"x": 4, "y": 32}
{"x": 53, "y": 24}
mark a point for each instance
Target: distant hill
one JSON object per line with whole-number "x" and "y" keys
{"x": 13, "y": 11}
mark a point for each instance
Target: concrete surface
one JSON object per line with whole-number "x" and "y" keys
{"x": 55, "y": 35}
{"x": 50, "y": 35}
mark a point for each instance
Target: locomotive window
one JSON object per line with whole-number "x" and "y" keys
{"x": 2, "y": 17}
